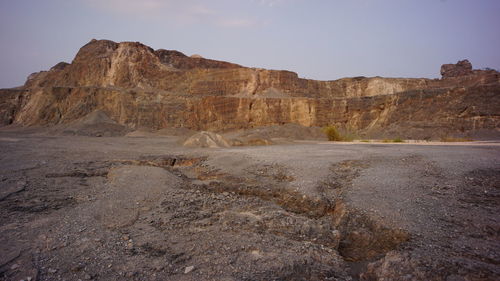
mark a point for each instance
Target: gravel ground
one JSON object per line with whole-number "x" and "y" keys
{"x": 146, "y": 208}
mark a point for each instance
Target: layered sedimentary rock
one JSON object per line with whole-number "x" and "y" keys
{"x": 140, "y": 87}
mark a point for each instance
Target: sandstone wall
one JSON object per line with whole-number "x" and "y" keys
{"x": 133, "y": 65}
{"x": 140, "y": 87}
{"x": 419, "y": 113}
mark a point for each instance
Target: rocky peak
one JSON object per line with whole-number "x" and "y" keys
{"x": 461, "y": 68}
{"x": 104, "y": 49}
{"x": 181, "y": 61}
{"x": 96, "y": 49}
{"x": 60, "y": 66}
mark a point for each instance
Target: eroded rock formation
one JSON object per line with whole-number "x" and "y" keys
{"x": 461, "y": 68}
{"x": 140, "y": 87}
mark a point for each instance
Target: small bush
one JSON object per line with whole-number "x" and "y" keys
{"x": 332, "y": 133}
{"x": 393, "y": 140}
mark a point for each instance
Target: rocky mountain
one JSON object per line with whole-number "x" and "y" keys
{"x": 140, "y": 87}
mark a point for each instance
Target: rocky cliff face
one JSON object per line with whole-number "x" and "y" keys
{"x": 140, "y": 87}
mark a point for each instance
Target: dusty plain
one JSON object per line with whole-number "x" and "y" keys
{"x": 147, "y": 208}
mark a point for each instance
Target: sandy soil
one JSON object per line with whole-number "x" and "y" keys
{"x": 146, "y": 208}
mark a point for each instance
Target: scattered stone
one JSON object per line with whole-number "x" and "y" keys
{"x": 131, "y": 274}
{"x": 188, "y": 269}
{"x": 77, "y": 268}
{"x": 14, "y": 266}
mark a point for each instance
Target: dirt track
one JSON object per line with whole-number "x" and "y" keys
{"x": 148, "y": 209}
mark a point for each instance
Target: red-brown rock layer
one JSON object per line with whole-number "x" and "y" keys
{"x": 140, "y": 87}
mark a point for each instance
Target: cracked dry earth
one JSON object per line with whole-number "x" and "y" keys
{"x": 83, "y": 208}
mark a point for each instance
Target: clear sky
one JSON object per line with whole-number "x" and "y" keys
{"x": 318, "y": 39}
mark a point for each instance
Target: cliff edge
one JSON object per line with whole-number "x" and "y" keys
{"x": 140, "y": 87}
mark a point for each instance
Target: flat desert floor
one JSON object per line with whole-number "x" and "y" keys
{"x": 147, "y": 208}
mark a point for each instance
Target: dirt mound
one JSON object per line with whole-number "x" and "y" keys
{"x": 96, "y": 117}
{"x": 96, "y": 124}
{"x": 206, "y": 139}
{"x": 288, "y": 131}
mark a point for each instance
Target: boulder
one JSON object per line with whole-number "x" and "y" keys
{"x": 206, "y": 139}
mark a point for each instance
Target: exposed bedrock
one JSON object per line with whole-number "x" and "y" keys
{"x": 461, "y": 68}
{"x": 140, "y": 87}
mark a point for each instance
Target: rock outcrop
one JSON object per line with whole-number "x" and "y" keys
{"x": 461, "y": 68}
{"x": 179, "y": 60}
{"x": 11, "y": 101}
{"x": 139, "y": 87}
{"x": 60, "y": 66}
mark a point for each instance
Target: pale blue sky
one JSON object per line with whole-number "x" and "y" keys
{"x": 318, "y": 39}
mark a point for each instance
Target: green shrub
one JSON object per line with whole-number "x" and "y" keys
{"x": 393, "y": 140}
{"x": 332, "y": 133}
